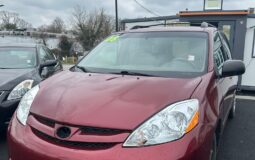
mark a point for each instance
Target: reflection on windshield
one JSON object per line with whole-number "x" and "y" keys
{"x": 17, "y": 58}
{"x": 154, "y": 53}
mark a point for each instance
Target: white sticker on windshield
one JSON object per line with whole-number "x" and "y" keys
{"x": 191, "y": 58}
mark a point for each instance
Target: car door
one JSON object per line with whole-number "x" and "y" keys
{"x": 45, "y": 55}
{"x": 230, "y": 81}
{"x": 224, "y": 85}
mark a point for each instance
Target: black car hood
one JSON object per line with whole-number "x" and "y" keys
{"x": 9, "y": 78}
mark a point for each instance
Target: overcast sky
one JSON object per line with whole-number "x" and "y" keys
{"x": 39, "y": 12}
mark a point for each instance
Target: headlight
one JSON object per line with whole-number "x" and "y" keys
{"x": 25, "y": 105}
{"x": 20, "y": 90}
{"x": 170, "y": 124}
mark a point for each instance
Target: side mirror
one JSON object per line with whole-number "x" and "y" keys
{"x": 45, "y": 73}
{"x": 48, "y": 63}
{"x": 233, "y": 68}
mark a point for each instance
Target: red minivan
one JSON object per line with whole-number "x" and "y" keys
{"x": 161, "y": 93}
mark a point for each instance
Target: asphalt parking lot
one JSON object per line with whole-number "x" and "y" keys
{"x": 238, "y": 142}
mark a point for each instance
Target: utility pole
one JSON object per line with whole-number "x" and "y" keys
{"x": 116, "y": 17}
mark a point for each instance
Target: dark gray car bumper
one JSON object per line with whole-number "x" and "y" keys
{"x": 7, "y": 108}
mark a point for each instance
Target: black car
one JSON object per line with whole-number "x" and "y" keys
{"x": 22, "y": 66}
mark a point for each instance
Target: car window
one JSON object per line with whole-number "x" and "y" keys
{"x": 219, "y": 56}
{"x": 17, "y": 58}
{"x": 107, "y": 55}
{"x": 153, "y": 53}
{"x": 226, "y": 50}
{"x": 50, "y": 54}
{"x": 44, "y": 55}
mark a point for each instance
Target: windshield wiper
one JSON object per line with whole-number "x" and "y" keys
{"x": 121, "y": 72}
{"x": 81, "y": 68}
{"x": 134, "y": 73}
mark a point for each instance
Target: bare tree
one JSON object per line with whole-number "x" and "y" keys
{"x": 21, "y": 23}
{"x": 8, "y": 17}
{"x": 42, "y": 28}
{"x": 91, "y": 27}
{"x": 57, "y": 26}
{"x": 10, "y": 21}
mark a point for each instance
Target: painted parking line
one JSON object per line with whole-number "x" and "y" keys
{"x": 246, "y": 97}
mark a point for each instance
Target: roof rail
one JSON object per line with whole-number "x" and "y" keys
{"x": 202, "y": 25}
{"x": 147, "y": 26}
{"x": 206, "y": 24}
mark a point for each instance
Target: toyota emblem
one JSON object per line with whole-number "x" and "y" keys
{"x": 63, "y": 132}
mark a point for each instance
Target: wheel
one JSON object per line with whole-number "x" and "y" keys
{"x": 232, "y": 112}
{"x": 213, "y": 153}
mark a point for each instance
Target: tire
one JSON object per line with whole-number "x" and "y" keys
{"x": 213, "y": 153}
{"x": 232, "y": 112}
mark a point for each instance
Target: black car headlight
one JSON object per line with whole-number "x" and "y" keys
{"x": 20, "y": 90}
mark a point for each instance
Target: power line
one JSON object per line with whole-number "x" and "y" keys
{"x": 148, "y": 10}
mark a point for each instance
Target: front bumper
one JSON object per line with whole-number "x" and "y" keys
{"x": 7, "y": 108}
{"x": 24, "y": 143}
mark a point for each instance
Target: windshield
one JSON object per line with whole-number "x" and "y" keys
{"x": 17, "y": 58}
{"x": 152, "y": 53}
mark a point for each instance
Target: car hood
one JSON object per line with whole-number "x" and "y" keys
{"x": 109, "y": 101}
{"x": 9, "y": 78}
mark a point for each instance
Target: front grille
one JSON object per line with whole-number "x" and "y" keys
{"x": 75, "y": 145}
{"x": 84, "y": 129}
{"x": 101, "y": 131}
{"x": 45, "y": 121}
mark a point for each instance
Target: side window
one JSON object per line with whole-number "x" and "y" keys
{"x": 226, "y": 50}
{"x": 50, "y": 54}
{"x": 218, "y": 54}
{"x": 44, "y": 55}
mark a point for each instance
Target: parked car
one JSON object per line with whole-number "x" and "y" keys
{"x": 22, "y": 66}
{"x": 153, "y": 93}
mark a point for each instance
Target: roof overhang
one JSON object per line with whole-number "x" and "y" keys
{"x": 149, "y": 19}
{"x": 214, "y": 13}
